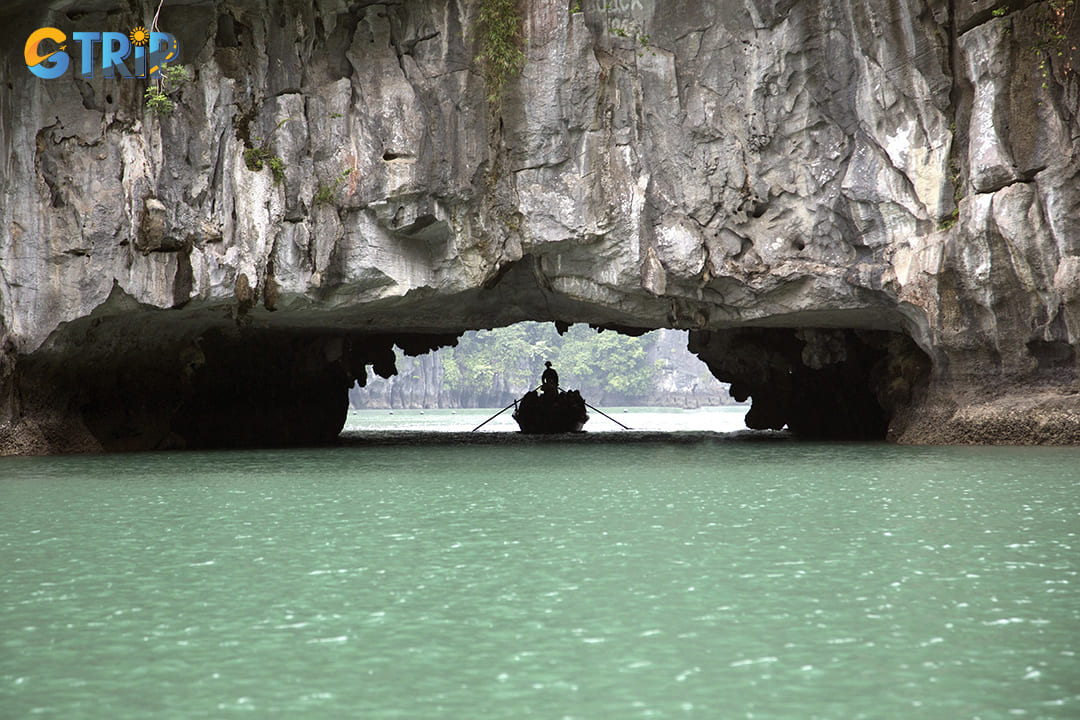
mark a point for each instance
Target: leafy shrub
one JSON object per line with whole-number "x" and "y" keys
{"x": 501, "y": 55}
{"x": 159, "y": 95}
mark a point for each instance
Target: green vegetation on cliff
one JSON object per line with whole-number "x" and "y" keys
{"x": 490, "y": 368}
{"x": 501, "y": 55}
{"x": 604, "y": 364}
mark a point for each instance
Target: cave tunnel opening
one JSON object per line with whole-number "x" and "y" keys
{"x": 147, "y": 379}
{"x": 817, "y": 383}
{"x": 493, "y": 368}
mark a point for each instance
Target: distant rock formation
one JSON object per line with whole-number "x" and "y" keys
{"x": 680, "y": 380}
{"x": 867, "y": 214}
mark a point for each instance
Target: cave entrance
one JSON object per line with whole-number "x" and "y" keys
{"x": 819, "y": 383}
{"x": 127, "y": 378}
{"x": 493, "y": 368}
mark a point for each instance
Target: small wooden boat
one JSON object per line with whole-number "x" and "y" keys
{"x": 551, "y": 412}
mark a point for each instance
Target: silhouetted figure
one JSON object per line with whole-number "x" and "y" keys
{"x": 549, "y": 381}
{"x": 553, "y": 411}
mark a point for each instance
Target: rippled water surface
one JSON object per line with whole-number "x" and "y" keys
{"x": 695, "y": 577}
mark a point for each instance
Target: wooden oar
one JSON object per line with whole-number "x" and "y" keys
{"x": 607, "y": 416}
{"x": 499, "y": 413}
{"x": 494, "y": 416}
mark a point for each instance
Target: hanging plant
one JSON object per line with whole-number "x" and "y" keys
{"x": 501, "y": 55}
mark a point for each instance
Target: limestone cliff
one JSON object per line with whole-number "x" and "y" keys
{"x": 868, "y": 214}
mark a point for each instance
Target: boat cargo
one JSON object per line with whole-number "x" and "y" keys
{"x": 549, "y": 413}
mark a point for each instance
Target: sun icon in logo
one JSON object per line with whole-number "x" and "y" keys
{"x": 139, "y": 36}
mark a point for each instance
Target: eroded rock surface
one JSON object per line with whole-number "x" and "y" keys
{"x": 868, "y": 215}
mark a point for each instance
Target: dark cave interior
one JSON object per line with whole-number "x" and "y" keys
{"x": 136, "y": 382}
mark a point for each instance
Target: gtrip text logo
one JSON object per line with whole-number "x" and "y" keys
{"x": 139, "y": 54}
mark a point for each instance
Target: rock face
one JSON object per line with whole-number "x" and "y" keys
{"x": 868, "y": 215}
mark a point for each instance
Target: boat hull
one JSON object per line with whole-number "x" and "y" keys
{"x": 549, "y": 414}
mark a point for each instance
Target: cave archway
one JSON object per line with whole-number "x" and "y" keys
{"x": 241, "y": 374}
{"x": 490, "y": 369}
{"x": 129, "y": 378}
{"x": 819, "y": 383}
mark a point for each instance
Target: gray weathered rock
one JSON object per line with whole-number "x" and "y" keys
{"x": 881, "y": 201}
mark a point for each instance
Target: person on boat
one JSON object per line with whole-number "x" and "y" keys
{"x": 549, "y": 381}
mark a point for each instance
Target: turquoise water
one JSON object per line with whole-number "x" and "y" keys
{"x": 706, "y": 419}
{"x": 692, "y": 577}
